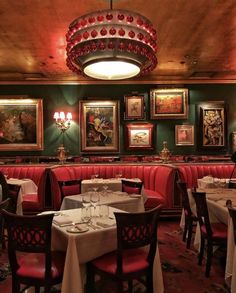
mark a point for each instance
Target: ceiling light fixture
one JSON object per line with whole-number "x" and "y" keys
{"x": 111, "y": 45}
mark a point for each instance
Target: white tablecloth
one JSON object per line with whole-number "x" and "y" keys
{"x": 82, "y": 248}
{"x": 114, "y": 199}
{"x": 27, "y": 187}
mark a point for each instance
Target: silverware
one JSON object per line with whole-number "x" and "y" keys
{"x": 72, "y": 224}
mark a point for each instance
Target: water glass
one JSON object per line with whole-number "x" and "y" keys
{"x": 85, "y": 214}
{"x": 104, "y": 211}
{"x": 94, "y": 200}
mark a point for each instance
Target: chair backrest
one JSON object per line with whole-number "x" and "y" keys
{"x": 131, "y": 186}
{"x": 13, "y": 193}
{"x": 232, "y": 184}
{"x": 232, "y": 213}
{"x": 182, "y": 186}
{"x": 28, "y": 234}
{"x": 4, "y": 185}
{"x": 70, "y": 187}
{"x": 202, "y": 211}
{"x": 135, "y": 230}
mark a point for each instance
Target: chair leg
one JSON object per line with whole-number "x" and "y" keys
{"x": 130, "y": 286}
{"x": 37, "y": 289}
{"x": 119, "y": 287}
{"x": 185, "y": 230}
{"x": 190, "y": 232}
{"x": 15, "y": 286}
{"x": 149, "y": 278}
{"x": 209, "y": 257}
{"x": 201, "y": 253}
{"x": 90, "y": 283}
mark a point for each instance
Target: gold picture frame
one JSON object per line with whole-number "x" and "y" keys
{"x": 99, "y": 126}
{"x": 21, "y": 123}
{"x": 169, "y": 103}
{"x": 139, "y": 136}
{"x": 212, "y": 125}
{"x": 134, "y": 107}
{"x": 184, "y": 135}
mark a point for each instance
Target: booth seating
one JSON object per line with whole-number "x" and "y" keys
{"x": 37, "y": 173}
{"x": 158, "y": 180}
{"x": 190, "y": 172}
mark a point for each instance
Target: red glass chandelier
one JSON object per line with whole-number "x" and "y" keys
{"x": 111, "y": 45}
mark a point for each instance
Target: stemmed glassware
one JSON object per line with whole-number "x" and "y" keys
{"x": 104, "y": 191}
{"x": 86, "y": 201}
{"x": 94, "y": 200}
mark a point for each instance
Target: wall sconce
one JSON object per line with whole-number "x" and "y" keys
{"x": 63, "y": 122}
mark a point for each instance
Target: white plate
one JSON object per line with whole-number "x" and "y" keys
{"x": 77, "y": 229}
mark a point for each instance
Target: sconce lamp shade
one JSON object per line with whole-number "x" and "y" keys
{"x": 63, "y": 121}
{"x": 111, "y": 45}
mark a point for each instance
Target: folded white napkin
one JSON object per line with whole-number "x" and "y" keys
{"x": 106, "y": 223}
{"x": 61, "y": 220}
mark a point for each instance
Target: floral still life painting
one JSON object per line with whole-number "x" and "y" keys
{"x": 21, "y": 124}
{"x": 99, "y": 126}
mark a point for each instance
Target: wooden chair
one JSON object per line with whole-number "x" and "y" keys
{"x": 129, "y": 261}
{"x": 130, "y": 186}
{"x": 70, "y": 187}
{"x": 190, "y": 218}
{"x": 232, "y": 212}
{"x": 29, "y": 251}
{"x": 213, "y": 233}
{"x": 4, "y": 185}
{"x": 3, "y": 205}
{"x": 232, "y": 184}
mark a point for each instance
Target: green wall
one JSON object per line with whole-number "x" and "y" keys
{"x": 66, "y": 98}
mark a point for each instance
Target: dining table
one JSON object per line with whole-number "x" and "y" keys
{"x": 117, "y": 199}
{"x": 90, "y": 242}
{"x": 27, "y": 186}
{"x": 218, "y": 212}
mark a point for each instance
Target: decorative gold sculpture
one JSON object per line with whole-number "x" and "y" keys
{"x": 61, "y": 153}
{"x": 165, "y": 153}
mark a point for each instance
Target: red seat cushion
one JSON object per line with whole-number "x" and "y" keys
{"x": 133, "y": 260}
{"x": 153, "y": 199}
{"x": 219, "y": 230}
{"x": 32, "y": 265}
{"x": 31, "y": 202}
{"x": 130, "y": 189}
{"x": 71, "y": 189}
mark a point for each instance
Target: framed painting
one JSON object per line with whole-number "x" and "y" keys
{"x": 169, "y": 103}
{"x": 21, "y": 123}
{"x": 233, "y": 141}
{"x": 184, "y": 135}
{"x": 99, "y": 126}
{"x": 212, "y": 125}
{"x": 139, "y": 136}
{"x": 134, "y": 107}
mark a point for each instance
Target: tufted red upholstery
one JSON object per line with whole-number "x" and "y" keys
{"x": 31, "y": 203}
{"x": 189, "y": 173}
{"x": 158, "y": 180}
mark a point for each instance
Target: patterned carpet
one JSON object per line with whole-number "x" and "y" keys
{"x": 179, "y": 265}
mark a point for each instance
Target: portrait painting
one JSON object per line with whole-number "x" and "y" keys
{"x": 21, "y": 123}
{"x": 212, "y": 124}
{"x": 139, "y": 136}
{"x": 169, "y": 103}
{"x": 184, "y": 135}
{"x": 134, "y": 107}
{"x": 99, "y": 126}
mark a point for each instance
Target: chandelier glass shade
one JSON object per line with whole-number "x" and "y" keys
{"x": 111, "y": 45}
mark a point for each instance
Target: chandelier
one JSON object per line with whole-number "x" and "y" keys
{"x": 111, "y": 45}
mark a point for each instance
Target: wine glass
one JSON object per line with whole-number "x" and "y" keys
{"x": 94, "y": 200}
{"x": 105, "y": 188}
{"x": 86, "y": 201}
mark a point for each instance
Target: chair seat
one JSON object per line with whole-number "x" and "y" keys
{"x": 32, "y": 265}
{"x": 31, "y": 202}
{"x": 219, "y": 230}
{"x": 133, "y": 261}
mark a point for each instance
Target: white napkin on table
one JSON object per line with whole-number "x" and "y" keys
{"x": 61, "y": 220}
{"x": 106, "y": 223}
